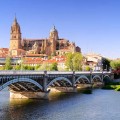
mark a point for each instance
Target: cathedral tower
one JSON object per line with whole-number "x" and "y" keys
{"x": 53, "y": 39}
{"x": 15, "y": 38}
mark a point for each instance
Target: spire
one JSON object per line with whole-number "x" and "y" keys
{"x": 15, "y": 26}
{"x": 15, "y": 20}
{"x": 54, "y": 27}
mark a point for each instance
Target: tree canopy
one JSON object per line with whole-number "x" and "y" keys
{"x": 8, "y": 64}
{"x": 115, "y": 64}
{"x": 74, "y": 61}
{"x": 106, "y": 64}
{"x": 53, "y": 66}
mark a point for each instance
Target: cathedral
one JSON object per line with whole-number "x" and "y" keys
{"x": 53, "y": 45}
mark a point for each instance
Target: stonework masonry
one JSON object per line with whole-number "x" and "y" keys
{"x": 49, "y": 46}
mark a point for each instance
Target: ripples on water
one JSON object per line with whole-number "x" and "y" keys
{"x": 100, "y": 105}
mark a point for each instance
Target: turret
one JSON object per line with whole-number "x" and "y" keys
{"x": 15, "y": 38}
{"x": 53, "y": 39}
{"x": 54, "y": 33}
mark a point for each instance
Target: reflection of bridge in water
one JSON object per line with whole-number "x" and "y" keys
{"x": 35, "y": 84}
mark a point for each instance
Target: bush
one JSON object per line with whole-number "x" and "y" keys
{"x": 87, "y": 68}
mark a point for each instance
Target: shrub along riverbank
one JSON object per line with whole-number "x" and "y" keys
{"x": 112, "y": 86}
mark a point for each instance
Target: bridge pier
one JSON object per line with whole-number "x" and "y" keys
{"x": 98, "y": 85}
{"x": 63, "y": 89}
{"x": 28, "y": 95}
{"x": 84, "y": 86}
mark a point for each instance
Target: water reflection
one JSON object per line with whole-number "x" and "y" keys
{"x": 33, "y": 109}
{"x": 26, "y": 109}
{"x": 96, "y": 106}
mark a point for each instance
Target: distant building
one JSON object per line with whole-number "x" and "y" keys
{"x": 93, "y": 60}
{"x": 49, "y": 46}
{"x": 4, "y": 52}
{"x": 34, "y": 61}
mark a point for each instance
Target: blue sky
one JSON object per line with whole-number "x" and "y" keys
{"x": 94, "y": 25}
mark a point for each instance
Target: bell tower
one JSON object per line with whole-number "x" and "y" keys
{"x": 15, "y": 36}
{"x": 53, "y": 39}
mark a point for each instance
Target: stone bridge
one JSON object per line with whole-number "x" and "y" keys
{"x": 37, "y": 84}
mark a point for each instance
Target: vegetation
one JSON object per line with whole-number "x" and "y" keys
{"x": 106, "y": 64}
{"x": 26, "y": 67}
{"x": 44, "y": 67}
{"x": 87, "y": 68}
{"x": 48, "y": 67}
{"x": 74, "y": 61}
{"x": 112, "y": 86}
{"x": 115, "y": 64}
{"x": 53, "y": 66}
{"x": 8, "y": 65}
{"x": 17, "y": 67}
{"x": 1, "y": 68}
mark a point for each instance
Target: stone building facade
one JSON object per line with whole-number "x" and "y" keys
{"x": 53, "y": 45}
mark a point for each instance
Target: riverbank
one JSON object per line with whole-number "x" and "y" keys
{"x": 114, "y": 85}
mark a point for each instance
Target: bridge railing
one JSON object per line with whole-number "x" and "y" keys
{"x": 15, "y": 72}
{"x": 32, "y": 72}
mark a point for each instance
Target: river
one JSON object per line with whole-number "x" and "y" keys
{"x": 100, "y": 105}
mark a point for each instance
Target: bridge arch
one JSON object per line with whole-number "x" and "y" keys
{"x": 58, "y": 79}
{"x": 105, "y": 80}
{"x": 106, "y": 76}
{"x": 20, "y": 80}
{"x": 97, "y": 76}
{"x": 82, "y": 77}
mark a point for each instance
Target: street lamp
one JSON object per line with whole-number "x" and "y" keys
{"x": 102, "y": 66}
{"x": 106, "y": 67}
{"x": 110, "y": 69}
{"x": 21, "y": 62}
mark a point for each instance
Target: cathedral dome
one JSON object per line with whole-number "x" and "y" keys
{"x": 53, "y": 29}
{"x": 53, "y": 33}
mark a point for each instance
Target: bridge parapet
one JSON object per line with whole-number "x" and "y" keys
{"x": 23, "y": 79}
{"x": 50, "y": 72}
{"x": 22, "y": 72}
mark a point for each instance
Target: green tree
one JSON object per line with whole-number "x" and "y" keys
{"x": 74, "y": 61}
{"x": 87, "y": 68}
{"x": 44, "y": 66}
{"x": 115, "y": 64}
{"x": 1, "y": 67}
{"x": 28, "y": 67}
{"x": 53, "y": 66}
{"x": 69, "y": 61}
{"x": 8, "y": 65}
{"x": 77, "y": 60}
{"x": 17, "y": 67}
{"x": 37, "y": 67}
{"x": 106, "y": 64}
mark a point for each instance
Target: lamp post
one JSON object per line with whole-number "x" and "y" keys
{"x": 21, "y": 62}
{"x": 110, "y": 69}
{"x": 102, "y": 67}
{"x": 106, "y": 67}
{"x": 95, "y": 68}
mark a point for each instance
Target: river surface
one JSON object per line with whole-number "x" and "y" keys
{"x": 100, "y": 105}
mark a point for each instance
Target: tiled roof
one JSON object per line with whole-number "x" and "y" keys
{"x": 35, "y": 55}
{"x": 4, "y": 52}
{"x": 58, "y": 59}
